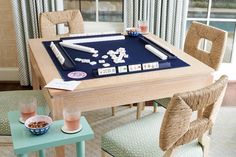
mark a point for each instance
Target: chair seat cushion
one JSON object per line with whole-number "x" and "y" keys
{"x": 141, "y": 139}
{"x": 9, "y": 102}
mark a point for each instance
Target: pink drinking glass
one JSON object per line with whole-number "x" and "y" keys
{"x": 143, "y": 27}
{"x": 71, "y": 116}
{"x": 28, "y": 108}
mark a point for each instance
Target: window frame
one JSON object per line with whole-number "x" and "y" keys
{"x": 225, "y": 68}
{"x": 97, "y": 26}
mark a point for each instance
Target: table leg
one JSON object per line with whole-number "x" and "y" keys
{"x": 22, "y": 155}
{"x": 42, "y": 153}
{"x": 131, "y": 105}
{"x": 80, "y": 149}
{"x": 113, "y": 111}
{"x": 139, "y": 109}
{"x": 143, "y": 106}
{"x": 56, "y": 107}
{"x": 35, "y": 79}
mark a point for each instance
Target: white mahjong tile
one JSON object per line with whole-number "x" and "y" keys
{"x": 95, "y": 55}
{"x": 78, "y": 59}
{"x": 122, "y": 69}
{"x": 101, "y": 61}
{"x": 93, "y": 63}
{"x": 136, "y": 67}
{"x": 106, "y": 71}
{"x": 105, "y": 56}
{"x": 122, "y": 61}
{"x": 106, "y": 65}
{"x": 156, "y": 65}
{"x": 126, "y": 56}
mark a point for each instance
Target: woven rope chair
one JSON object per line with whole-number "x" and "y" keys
{"x": 213, "y": 59}
{"x": 49, "y": 20}
{"x": 218, "y": 37}
{"x": 141, "y": 138}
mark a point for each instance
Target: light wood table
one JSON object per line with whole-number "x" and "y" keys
{"x": 117, "y": 90}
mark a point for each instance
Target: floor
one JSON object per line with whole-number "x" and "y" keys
{"x": 223, "y": 139}
{"x": 7, "y": 86}
{"x": 230, "y": 95}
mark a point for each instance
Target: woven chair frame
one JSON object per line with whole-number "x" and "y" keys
{"x": 218, "y": 37}
{"x": 49, "y": 20}
{"x": 177, "y": 128}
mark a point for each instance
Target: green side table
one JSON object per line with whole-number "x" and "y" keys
{"x": 25, "y": 142}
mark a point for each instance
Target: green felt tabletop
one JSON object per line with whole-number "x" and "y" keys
{"x": 24, "y": 141}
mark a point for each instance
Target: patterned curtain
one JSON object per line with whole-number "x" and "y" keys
{"x": 26, "y": 20}
{"x": 167, "y": 19}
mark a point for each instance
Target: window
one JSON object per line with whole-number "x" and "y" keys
{"x": 87, "y": 8}
{"x": 220, "y": 14}
{"x": 98, "y": 10}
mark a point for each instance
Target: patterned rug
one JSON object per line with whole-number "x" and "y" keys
{"x": 223, "y": 138}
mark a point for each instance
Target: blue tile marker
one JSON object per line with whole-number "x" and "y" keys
{"x": 24, "y": 142}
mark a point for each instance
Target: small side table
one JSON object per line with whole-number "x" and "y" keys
{"x": 25, "y": 142}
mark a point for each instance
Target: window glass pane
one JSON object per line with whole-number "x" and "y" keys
{"x": 198, "y": 8}
{"x": 230, "y": 28}
{"x": 110, "y": 11}
{"x": 87, "y": 8}
{"x": 223, "y": 9}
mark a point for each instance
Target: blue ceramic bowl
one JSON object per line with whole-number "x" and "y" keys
{"x": 132, "y": 32}
{"x": 38, "y": 118}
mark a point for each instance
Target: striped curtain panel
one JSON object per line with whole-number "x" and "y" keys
{"x": 26, "y": 20}
{"x": 167, "y": 19}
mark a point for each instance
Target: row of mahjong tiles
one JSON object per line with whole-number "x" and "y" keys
{"x": 111, "y": 57}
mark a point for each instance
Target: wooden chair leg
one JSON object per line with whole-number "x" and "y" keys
{"x": 210, "y": 131}
{"x": 143, "y": 106}
{"x": 139, "y": 109}
{"x": 205, "y": 142}
{"x": 169, "y": 152}
{"x": 113, "y": 111}
{"x": 103, "y": 154}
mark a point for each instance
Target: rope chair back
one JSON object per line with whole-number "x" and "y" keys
{"x": 218, "y": 38}
{"x": 49, "y": 20}
{"x": 177, "y": 128}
